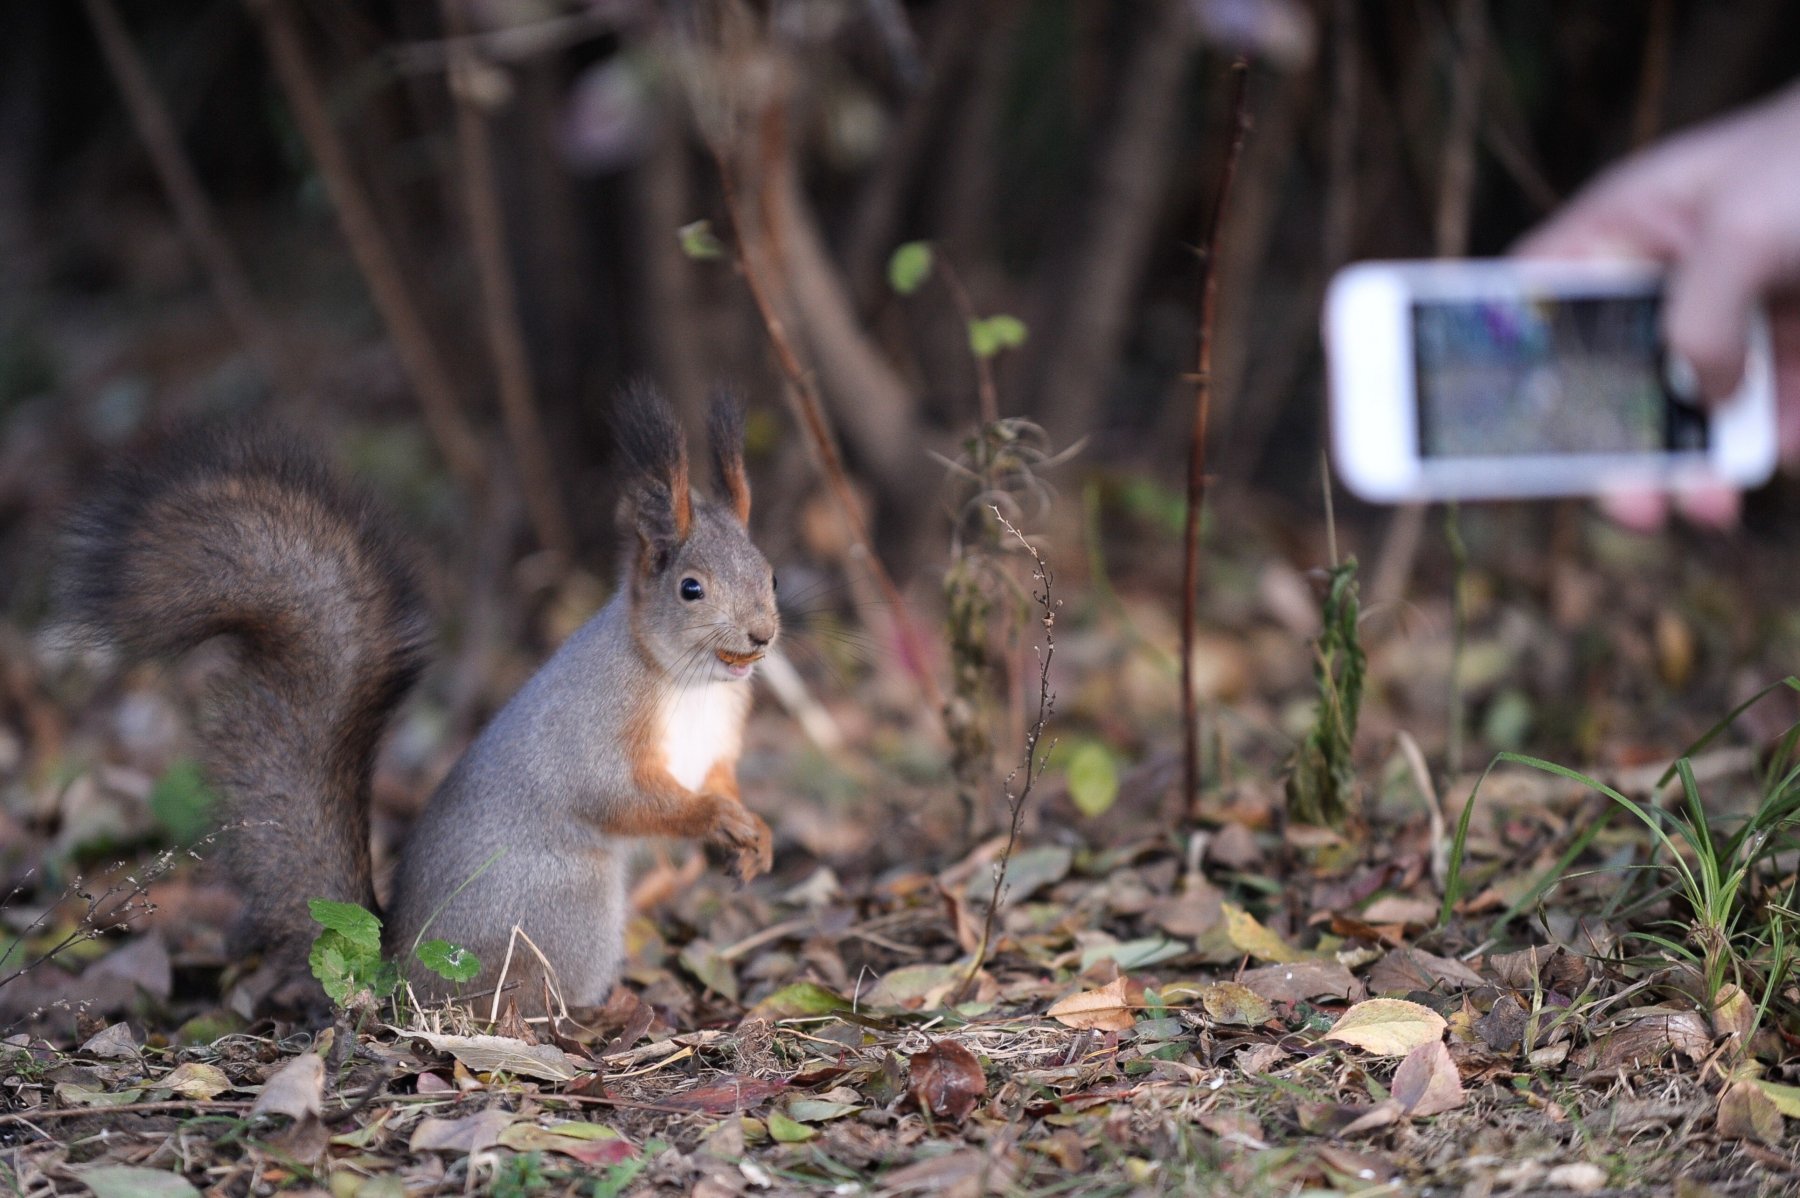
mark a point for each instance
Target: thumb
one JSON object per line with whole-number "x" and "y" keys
{"x": 1713, "y": 288}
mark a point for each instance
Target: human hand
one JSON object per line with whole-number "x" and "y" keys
{"x": 1721, "y": 206}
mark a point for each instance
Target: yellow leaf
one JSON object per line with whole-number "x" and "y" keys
{"x": 1229, "y": 1002}
{"x": 1785, "y": 1098}
{"x": 195, "y": 1079}
{"x": 1251, "y": 937}
{"x": 1388, "y": 1027}
{"x": 1107, "y": 1009}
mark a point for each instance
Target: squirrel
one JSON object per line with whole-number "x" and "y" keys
{"x": 631, "y": 729}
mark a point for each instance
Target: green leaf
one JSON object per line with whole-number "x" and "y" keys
{"x": 331, "y": 966}
{"x": 990, "y": 335}
{"x": 1093, "y": 778}
{"x": 801, "y": 998}
{"x": 355, "y": 924}
{"x": 129, "y": 1181}
{"x": 784, "y": 1130}
{"x": 698, "y": 241}
{"x": 452, "y": 962}
{"x": 909, "y": 267}
{"x": 182, "y": 802}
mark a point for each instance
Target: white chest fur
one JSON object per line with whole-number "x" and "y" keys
{"x": 701, "y": 726}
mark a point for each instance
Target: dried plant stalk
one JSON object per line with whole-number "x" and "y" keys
{"x": 1196, "y": 480}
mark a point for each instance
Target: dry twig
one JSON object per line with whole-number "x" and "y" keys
{"x": 199, "y": 223}
{"x": 439, "y": 402}
{"x": 1034, "y": 762}
{"x": 499, "y": 301}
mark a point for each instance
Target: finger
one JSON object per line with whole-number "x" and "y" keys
{"x": 1638, "y": 510}
{"x": 1735, "y": 261}
{"x": 1710, "y": 505}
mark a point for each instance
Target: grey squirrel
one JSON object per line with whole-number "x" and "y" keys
{"x": 631, "y": 729}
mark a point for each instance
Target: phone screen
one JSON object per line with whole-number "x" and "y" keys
{"x": 1531, "y": 376}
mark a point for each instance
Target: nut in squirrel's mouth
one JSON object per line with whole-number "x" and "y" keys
{"x": 737, "y": 664}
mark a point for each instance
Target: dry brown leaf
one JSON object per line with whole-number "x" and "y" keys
{"x": 471, "y": 1133}
{"x": 1408, "y": 969}
{"x": 1301, "y": 980}
{"x": 1107, "y": 1009}
{"x": 1746, "y": 1113}
{"x": 1249, "y": 936}
{"x": 489, "y": 1054}
{"x": 1427, "y": 1082}
{"x": 297, "y": 1089}
{"x": 946, "y": 1080}
{"x": 1733, "y": 1013}
{"x": 1648, "y": 1038}
{"x": 1388, "y": 1027}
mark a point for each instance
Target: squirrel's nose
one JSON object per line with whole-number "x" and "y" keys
{"x": 761, "y": 642}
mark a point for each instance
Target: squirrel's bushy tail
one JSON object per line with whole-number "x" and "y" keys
{"x": 251, "y": 538}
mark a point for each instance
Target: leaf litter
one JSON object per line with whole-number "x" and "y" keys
{"x": 1248, "y": 1006}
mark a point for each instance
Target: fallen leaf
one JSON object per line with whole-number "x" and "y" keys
{"x": 471, "y": 1133}
{"x": 195, "y": 1079}
{"x": 1388, "y": 1027}
{"x": 914, "y": 988}
{"x": 797, "y": 1000}
{"x": 1785, "y": 1098}
{"x": 1548, "y": 968}
{"x": 1584, "y": 1177}
{"x": 1361, "y": 1167}
{"x": 784, "y": 1129}
{"x": 1251, "y": 937}
{"x": 1503, "y": 1027}
{"x": 1231, "y": 1003}
{"x": 1746, "y": 1113}
{"x": 1300, "y": 980}
{"x": 1650, "y": 1037}
{"x": 1106, "y": 1009}
{"x": 735, "y": 1093}
{"x": 1408, "y": 969}
{"x": 502, "y": 1054}
{"x": 1029, "y": 871}
{"x": 946, "y": 1080}
{"x": 1395, "y": 908}
{"x": 114, "y": 1043}
{"x": 1427, "y": 1082}
{"x": 712, "y": 969}
{"x": 589, "y": 1143}
{"x": 297, "y": 1089}
{"x": 1733, "y": 1013}
{"x": 816, "y": 1110}
{"x": 127, "y": 1181}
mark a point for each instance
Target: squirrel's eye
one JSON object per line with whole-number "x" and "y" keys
{"x": 774, "y": 583}
{"x": 692, "y": 590}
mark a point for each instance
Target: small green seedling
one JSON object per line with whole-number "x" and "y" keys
{"x": 346, "y": 955}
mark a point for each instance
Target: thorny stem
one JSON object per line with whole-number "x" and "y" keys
{"x": 1033, "y": 764}
{"x": 1196, "y": 482}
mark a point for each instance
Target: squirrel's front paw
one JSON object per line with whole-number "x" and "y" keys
{"x": 739, "y": 830}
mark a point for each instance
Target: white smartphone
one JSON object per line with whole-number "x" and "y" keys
{"x": 1502, "y": 378}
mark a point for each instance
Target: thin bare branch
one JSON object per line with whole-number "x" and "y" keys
{"x": 439, "y": 401}
{"x": 199, "y": 223}
{"x": 499, "y": 301}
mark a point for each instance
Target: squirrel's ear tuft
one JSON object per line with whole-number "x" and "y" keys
{"x": 660, "y": 500}
{"x": 725, "y": 429}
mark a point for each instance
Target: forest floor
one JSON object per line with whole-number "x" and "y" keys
{"x": 1231, "y": 1003}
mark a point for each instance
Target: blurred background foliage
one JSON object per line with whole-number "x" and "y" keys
{"x": 1059, "y": 156}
